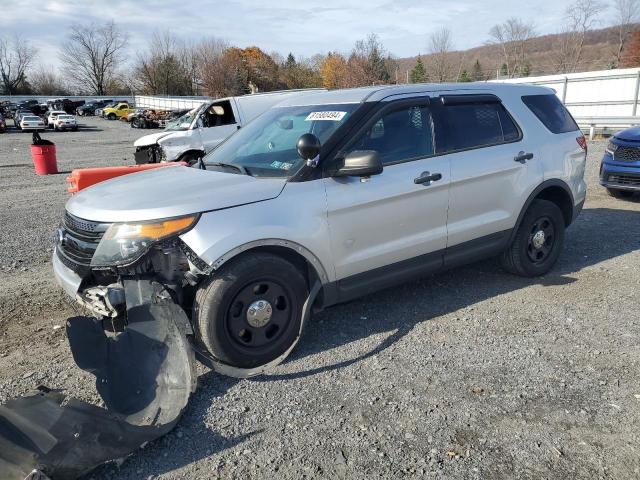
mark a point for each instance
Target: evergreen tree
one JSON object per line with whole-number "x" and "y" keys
{"x": 504, "y": 70}
{"x": 464, "y": 77}
{"x": 290, "y": 62}
{"x": 526, "y": 70}
{"x": 418, "y": 73}
{"x": 477, "y": 75}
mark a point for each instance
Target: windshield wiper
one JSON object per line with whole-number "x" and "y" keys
{"x": 240, "y": 168}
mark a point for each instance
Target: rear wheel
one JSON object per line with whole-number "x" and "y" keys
{"x": 111, "y": 116}
{"x": 538, "y": 241}
{"x": 614, "y": 192}
{"x": 250, "y": 312}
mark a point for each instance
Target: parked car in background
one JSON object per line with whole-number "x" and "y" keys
{"x": 52, "y": 116}
{"x": 99, "y": 112}
{"x": 17, "y": 116}
{"x": 199, "y": 131}
{"x": 65, "y": 104}
{"x": 31, "y": 123}
{"x": 324, "y": 198}
{"x": 66, "y": 122}
{"x": 90, "y": 108}
{"x": 3, "y": 124}
{"x": 119, "y": 110}
{"x": 620, "y": 165}
{"x": 7, "y": 109}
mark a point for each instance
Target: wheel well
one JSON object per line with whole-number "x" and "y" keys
{"x": 293, "y": 257}
{"x": 561, "y": 198}
{"x": 184, "y": 155}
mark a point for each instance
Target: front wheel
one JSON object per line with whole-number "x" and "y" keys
{"x": 249, "y": 313}
{"x": 111, "y": 116}
{"x": 538, "y": 241}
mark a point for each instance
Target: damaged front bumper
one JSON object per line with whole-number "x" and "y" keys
{"x": 144, "y": 374}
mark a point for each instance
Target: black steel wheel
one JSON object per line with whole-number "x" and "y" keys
{"x": 249, "y": 313}
{"x": 541, "y": 239}
{"x": 538, "y": 241}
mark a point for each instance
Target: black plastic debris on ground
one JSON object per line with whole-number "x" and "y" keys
{"x": 144, "y": 375}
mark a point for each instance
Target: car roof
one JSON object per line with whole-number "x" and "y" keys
{"x": 377, "y": 93}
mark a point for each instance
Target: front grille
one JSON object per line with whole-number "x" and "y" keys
{"x": 627, "y": 154}
{"x": 622, "y": 179}
{"x": 77, "y": 242}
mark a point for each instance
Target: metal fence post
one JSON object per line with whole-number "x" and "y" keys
{"x": 564, "y": 90}
{"x": 635, "y": 97}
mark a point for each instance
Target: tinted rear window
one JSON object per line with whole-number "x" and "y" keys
{"x": 478, "y": 124}
{"x": 551, "y": 112}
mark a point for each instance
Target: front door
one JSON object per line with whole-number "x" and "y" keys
{"x": 390, "y": 226}
{"x": 216, "y": 123}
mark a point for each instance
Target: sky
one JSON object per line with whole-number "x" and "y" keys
{"x": 303, "y": 27}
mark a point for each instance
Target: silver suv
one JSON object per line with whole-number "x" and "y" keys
{"x": 324, "y": 198}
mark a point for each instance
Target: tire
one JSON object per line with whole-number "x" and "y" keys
{"x": 526, "y": 256}
{"x": 222, "y": 303}
{"x": 614, "y": 192}
{"x": 111, "y": 116}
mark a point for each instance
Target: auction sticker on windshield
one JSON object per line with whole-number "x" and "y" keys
{"x": 334, "y": 116}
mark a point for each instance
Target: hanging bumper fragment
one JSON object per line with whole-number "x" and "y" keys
{"x": 144, "y": 374}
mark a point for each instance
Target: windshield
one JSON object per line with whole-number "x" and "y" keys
{"x": 184, "y": 121}
{"x": 266, "y": 147}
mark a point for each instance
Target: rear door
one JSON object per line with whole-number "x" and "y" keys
{"x": 494, "y": 165}
{"x": 387, "y": 227}
{"x": 216, "y": 123}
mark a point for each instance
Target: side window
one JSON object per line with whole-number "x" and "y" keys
{"x": 399, "y": 135}
{"x": 218, "y": 114}
{"x": 475, "y": 125}
{"x": 551, "y": 112}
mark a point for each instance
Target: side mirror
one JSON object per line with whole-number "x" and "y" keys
{"x": 360, "y": 163}
{"x": 308, "y": 146}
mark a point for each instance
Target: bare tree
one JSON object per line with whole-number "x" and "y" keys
{"x": 92, "y": 55}
{"x": 16, "y": 56}
{"x": 513, "y": 38}
{"x": 45, "y": 81}
{"x": 626, "y": 13}
{"x": 581, "y": 16}
{"x": 441, "y": 61}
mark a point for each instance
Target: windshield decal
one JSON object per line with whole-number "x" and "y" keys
{"x": 333, "y": 116}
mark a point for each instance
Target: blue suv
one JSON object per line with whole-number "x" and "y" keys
{"x": 620, "y": 167}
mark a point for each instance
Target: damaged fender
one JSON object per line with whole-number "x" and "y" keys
{"x": 145, "y": 376}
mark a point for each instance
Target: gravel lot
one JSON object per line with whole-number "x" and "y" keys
{"x": 469, "y": 374}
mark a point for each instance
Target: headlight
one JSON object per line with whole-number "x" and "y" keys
{"x": 124, "y": 243}
{"x": 611, "y": 147}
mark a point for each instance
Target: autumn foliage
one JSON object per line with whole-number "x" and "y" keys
{"x": 631, "y": 53}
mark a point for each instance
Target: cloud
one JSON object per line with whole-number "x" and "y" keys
{"x": 302, "y": 27}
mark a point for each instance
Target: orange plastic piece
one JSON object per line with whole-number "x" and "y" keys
{"x": 85, "y": 177}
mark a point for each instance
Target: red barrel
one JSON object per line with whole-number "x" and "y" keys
{"x": 44, "y": 159}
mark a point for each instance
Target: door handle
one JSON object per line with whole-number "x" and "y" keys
{"x": 426, "y": 178}
{"x": 523, "y": 157}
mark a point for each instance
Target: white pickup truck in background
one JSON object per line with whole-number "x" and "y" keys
{"x": 198, "y": 132}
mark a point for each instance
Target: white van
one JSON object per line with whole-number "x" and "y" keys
{"x": 199, "y": 131}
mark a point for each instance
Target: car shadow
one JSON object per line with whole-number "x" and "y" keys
{"x": 597, "y": 235}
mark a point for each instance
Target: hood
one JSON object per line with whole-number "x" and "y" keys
{"x": 169, "y": 192}
{"x": 151, "y": 139}
{"x": 630, "y": 134}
